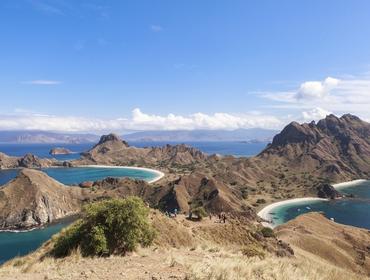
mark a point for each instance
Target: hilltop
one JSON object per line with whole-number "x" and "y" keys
{"x": 192, "y": 250}
{"x": 33, "y": 199}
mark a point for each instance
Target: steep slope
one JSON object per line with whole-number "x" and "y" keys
{"x": 313, "y": 235}
{"x": 335, "y": 148}
{"x": 33, "y": 199}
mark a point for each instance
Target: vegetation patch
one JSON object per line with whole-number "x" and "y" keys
{"x": 107, "y": 227}
{"x": 267, "y": 232}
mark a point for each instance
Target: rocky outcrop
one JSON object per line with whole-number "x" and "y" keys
{"x": 328, "y": 191}
{"x": 112, "y": 150}
{"x": 60, "y": 151}
{"x": 335, "y": 148}
{"x": 32, "y": 161}
{"x": 7, "y": 161}
{"x": 33, "y": 199}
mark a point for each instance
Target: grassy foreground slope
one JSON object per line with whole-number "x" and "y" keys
{"x": 186, "y": 249}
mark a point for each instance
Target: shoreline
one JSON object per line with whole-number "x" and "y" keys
{"x": 347, "y": 184}
{"x": 265, "y": 213}
{"x": 159, "y": 174}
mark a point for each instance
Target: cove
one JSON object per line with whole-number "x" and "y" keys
{"x": 348, "y": 211}
{"x": 13, "y": 244}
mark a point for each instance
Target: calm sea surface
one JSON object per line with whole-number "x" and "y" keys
{"x": 352, "y": 211}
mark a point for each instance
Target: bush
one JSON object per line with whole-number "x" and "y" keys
{"x": 261, "y": 201}
{"x": 200, "y": 212}
{"x": 267, "y": 232}
{"x": 107, "y": 227}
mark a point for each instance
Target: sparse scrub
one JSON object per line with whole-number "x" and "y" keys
{"x": 200, "y": 212}
{"x": 267, "y": 232}
{"x": 107, "y": 227}
{"x": 253, "y": 251}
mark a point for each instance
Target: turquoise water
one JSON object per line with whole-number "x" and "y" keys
{"x": 21, "y": 243}
{"x": 350, "y": 211}
{"x": 14, "y": 244}
{"x": 76, "y": 175}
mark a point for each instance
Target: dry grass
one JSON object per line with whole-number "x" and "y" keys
{"x": 234, "y": 267}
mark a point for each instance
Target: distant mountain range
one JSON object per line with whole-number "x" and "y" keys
{"x": 36, "y": 136}
{"x": 248, "y": 135}
{"x": 39, "y": 136}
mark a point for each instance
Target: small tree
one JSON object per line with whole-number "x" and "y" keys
{"x": 107, "y": 227}
{"x": 200, "y": 212}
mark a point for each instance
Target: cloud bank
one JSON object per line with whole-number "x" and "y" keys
{"x": 138, "y": 121}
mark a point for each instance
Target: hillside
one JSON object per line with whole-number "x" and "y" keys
{"x": 33, "y": 199}
{"x": 314, "y": 236}
{"x": 188, "y": 250}
{"x": 114, "y": 151}
{"x": 299, "y": 158}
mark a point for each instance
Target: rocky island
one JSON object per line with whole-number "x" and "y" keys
{"x": 60, "y": 151}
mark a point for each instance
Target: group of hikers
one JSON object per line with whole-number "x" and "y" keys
{"x": 221, "y": 216}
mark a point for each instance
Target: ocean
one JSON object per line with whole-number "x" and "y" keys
{"x": 223, "y": 148}
{"x": 348, "y": 211}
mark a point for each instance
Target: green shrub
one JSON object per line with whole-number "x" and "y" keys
{"x": 107, "y": 227}
{"x": 200, "y": 212}
{"x": 261, "y": 201}
{"x": 267, "y": 232}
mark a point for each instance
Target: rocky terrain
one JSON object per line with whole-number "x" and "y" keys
{"x": 114, "y": 151}
{"x": 27, "y": 161}
{"x": 33, "y": 199}
{"x": 299, "y": 159}
{"x": 299, "y": 162}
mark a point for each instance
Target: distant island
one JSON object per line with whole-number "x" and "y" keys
{"x": 39, "y": 136}
{"x": 60, "y": 151}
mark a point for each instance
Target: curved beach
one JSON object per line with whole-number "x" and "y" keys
{"x": 349, "y": 184}
{"x": 159, "y": 174}
{"x": 265, "y": 213}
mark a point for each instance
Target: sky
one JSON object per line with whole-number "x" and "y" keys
{"x": 92, "y": 66}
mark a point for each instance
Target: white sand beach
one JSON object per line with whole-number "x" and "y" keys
{"x": 159, "y": 174}
{"x": 349, "y": 184}
{"x": 265, "y": 213}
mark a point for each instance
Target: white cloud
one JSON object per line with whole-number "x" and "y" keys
{"x": 156, "y": 28}
{"x": 344, "y": 95}
{"x": 138, "y": 121}
{"x": 315, "y": 114}
{"x": 43, "y": 82}
{"x": 316, "y": 89}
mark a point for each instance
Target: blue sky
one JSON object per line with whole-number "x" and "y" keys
{"x": 122, "y": 65}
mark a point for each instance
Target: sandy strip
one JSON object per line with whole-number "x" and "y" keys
{"x": 265, "y": 213}
{"x": 349, "y": 184}
{"x": 159, "y": 174}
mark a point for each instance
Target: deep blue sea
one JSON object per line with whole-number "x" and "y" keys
{"x": 223, "y": 148}
{"x": 351, "y": 211}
